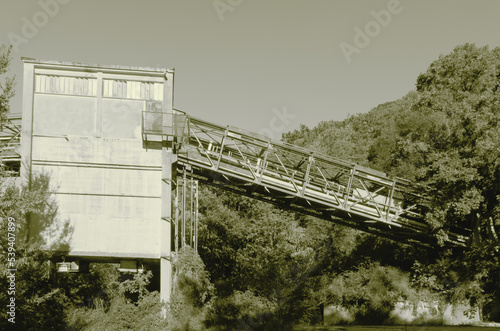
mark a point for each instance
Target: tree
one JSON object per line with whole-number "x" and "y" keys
{"x": 110, "y": 303}
{"x": 266, "y": 263}
{"x": 192, "y": 292}
{"x": 445, "y": 135}
{"x": 7, "y": 84}
{"x": 448, "y": 138}
{"x": 24, "y": 265}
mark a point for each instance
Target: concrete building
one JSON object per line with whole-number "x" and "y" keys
{"x": 81, "y": 131}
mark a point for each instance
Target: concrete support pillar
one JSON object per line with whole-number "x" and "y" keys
{"x": 27, "y": 133}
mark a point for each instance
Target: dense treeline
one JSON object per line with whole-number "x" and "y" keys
{"x": 445, "y": 134}
{"x": 263, "y": 268}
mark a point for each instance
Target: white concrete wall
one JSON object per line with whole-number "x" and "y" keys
{"x": 105, "y": 185}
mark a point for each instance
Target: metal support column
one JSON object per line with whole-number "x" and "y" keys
{"x": 196, "y": 218}
{"x": 184, "y": 209}
{"x": 191, "y": 213}
{"x": 168, "y": 176}
{"x": 176, "y": 219}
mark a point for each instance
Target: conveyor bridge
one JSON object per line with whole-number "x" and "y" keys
{"x": 297, "y": 179}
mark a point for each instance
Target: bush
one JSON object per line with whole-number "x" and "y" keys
{"x": 371, "y": 292}
{"x": 192, "y": 292}
{"x": 241, "y": 311}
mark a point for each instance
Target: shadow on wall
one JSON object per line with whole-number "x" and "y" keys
{"x": 43, "y": 225}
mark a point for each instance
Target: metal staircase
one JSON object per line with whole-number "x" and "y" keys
{"x": 297, "y": 179}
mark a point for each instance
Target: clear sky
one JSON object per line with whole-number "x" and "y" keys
{"x": 237, "y": 60}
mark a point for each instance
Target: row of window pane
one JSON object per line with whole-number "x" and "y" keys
{"x": 66, "y": 85}
{"x": 88, "y": 87}
{"x": 132, "y": 90}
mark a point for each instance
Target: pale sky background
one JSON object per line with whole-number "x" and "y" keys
{"x": 263, "y": 54}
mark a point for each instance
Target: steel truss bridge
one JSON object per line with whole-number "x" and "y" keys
{"x": 298, "y": 179}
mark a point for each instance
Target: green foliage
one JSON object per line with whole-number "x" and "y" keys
{"x": 192, "y": 292}
{"x": 254, "y": 251}
{"x": 445, "y": 135}
{"x": 112, "y": 304}
{"x": 7, "y": 84}
{"x": 39, "y": 303}
{"x": 136, "y": 289}
{"x": 121, "y": 315}
{"x": 471, "y": 280}
{"x": 371, "y": 291}
{"x": 241, "y": 311}
{"x": 448, "y": 137}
